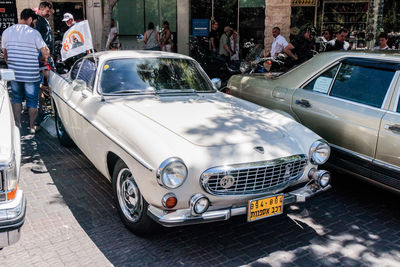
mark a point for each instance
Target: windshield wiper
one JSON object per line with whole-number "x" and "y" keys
{"x": 176, "y": 91}
{"x": 133, "y": 91}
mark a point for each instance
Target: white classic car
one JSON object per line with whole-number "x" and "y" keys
{"x": 12, "y": 200}
{"x": 178, "y": 151}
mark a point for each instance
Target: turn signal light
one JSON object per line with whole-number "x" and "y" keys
{"x": 169, "y": 201}
{"x": 12, "y": 194}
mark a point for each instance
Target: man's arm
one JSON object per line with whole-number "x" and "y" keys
{"x": 227, "y": 48}
{"x": 45, "y": 53}
{"x": 288, "y": 50}
{"x": 212, "y": 39}
{"x": 5, "y": 54}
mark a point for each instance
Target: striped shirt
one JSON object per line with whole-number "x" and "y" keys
{"x": 22, "y": 44}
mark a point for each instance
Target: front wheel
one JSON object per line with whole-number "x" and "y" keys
{"x": 131, "y": 205}
{"x": 62, "y": 135}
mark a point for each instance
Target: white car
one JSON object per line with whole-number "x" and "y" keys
{"x": 176, "y": 150}
{"x": 12, "y": 200}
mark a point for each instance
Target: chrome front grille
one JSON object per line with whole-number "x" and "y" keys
{"x": 253, "y": 178}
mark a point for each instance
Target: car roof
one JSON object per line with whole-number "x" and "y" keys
{"x": 104, "y": 55}
{"x": 376, "y": 54}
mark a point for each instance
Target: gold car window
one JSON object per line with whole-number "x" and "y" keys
{"x": 362, "y": 84}
{"x": 322, "y": 83}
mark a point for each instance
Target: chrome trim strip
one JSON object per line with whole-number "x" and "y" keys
{"x": 386, "y": 165}
{"x": 132, "y": 154}
{"x": 352, "y": 153}
{"x": 205, "y": 176}
{"x": 397, "y": 100}
{"x": 390, "y": 90}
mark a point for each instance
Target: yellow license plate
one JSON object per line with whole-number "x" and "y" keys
{"x": 264, "y": 207}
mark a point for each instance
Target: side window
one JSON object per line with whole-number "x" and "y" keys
{"x": 75, "y": 69}
{"x": 363, "y": 83}
{"x": 87, "y": 72}
{"x": 398, "y": 105}
{"x": 322, "y": 83}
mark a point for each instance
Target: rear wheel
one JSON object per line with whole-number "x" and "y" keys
{"x": 62, "y": 134}
{"x": 131, "y": 205}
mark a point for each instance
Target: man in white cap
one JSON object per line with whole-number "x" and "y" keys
{"x": 69, "y": 19}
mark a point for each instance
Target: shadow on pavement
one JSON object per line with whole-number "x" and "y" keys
{"x": 352, "y": 224}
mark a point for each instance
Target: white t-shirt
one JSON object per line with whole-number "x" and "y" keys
{"x": 278, "y": 45}
{"x": 346, "y": 45}
{"x": 113, "y": 31}
{"x": 23, "y": 44}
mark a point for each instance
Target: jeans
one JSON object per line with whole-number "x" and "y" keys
{"x": 27, "y": 90}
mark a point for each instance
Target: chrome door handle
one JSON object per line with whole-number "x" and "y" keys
{"x": 303, "y": 103}
{"x": 394, "y": 128}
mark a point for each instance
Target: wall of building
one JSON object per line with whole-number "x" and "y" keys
{"x": 277, "y": 14}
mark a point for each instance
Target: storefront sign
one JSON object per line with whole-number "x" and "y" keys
{"x": 200, "y": 27}
{"x": 8, "y": 14}
{"x": 304, "y": 2}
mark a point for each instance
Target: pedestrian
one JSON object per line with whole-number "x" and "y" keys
{"x": 21, "y": 44}
{"x": 68, "y": 18}
{"x": 302, "y": 48}
{"x": 112, "y": 40}
{"x": 339, "y": 43}
{"x": 383, "y": 38}
{"x": 43, "y": 27}
{"x": 151, "y": 38}
{"x": 214, "y": 37}
{"x": 166, "y": 43}
{"x": 324, "y": 39}
{"x": 234, "y": 42}
{"x": 224, "y": 44}
{"x": 279, "y": 43}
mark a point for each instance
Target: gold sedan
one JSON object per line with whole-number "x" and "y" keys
{"x": 351, "y": 99}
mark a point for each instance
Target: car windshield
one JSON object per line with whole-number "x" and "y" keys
{"x": 153, "y": 75}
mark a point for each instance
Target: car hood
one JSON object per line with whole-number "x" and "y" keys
{"x": 212, "y": 119}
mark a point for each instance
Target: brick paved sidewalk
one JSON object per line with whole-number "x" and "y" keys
{"x": 72, "y": 221}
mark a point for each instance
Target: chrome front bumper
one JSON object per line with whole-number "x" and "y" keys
{"x": 185, "y": 216}
{"x": 12, "y": 217}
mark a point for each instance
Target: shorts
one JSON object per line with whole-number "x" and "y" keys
{"x": 27, "y": 90}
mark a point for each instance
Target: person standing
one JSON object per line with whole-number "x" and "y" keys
{"x": 214, "y": 37}
{"x": 112, "y": 40}
{"x": 279, "y": 43}
{"x": 21, "y": 44}
{"x": 339, "y": 43}
{"x": 69, "y": 20}
{"x": 43, "y": 27}
{"x": 224, "y": 45}
{"x": 302, "y": 48}
{"x": 151, "y": 38}
{"x": 383, "y": 38}
{"x": 234, "y": 42}
{"x": 165, "y": 38}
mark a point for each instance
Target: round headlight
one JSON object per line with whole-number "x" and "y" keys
{"x": 172, "y": 173}
{"x": 319, "y": 152}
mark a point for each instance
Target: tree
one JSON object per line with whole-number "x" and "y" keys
{"x": 107, "y": 13}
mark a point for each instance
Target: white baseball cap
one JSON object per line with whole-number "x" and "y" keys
{"x": 67, "y": 16}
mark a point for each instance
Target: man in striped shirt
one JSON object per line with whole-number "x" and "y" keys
{"x": 21, "y": 44}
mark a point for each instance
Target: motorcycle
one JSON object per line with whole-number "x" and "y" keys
{"x": 256, "y": 63}
{"x": 212, "y": 64}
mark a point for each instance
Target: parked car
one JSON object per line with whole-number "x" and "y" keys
{"x": 351, "y": 99}
{"x": 12, "y": 200}
{"x": 176, "y": 150}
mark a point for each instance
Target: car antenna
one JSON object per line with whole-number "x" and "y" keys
{"x": 102, "y": 99}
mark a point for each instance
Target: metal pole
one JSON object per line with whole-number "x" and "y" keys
{"x": 238, "y": 17}
{"x": 212, "y": 10}
{"x": 315, "y": 15}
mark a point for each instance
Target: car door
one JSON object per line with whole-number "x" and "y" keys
{"x": 85, "y": 78}
{"x": 387, "y": 159}
{"x": 344, "y": 105}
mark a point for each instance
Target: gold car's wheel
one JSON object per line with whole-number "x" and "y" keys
{"x": 131, "y": 205}
{"x": 129, "y": 197}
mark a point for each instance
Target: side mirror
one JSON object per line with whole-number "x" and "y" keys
{"x": 216, "y": 82}
{"x": 7, "y": 75}
{"x": 78, "y": 85}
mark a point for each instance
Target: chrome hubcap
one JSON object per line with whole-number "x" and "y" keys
{"x": 129, "y": 197}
